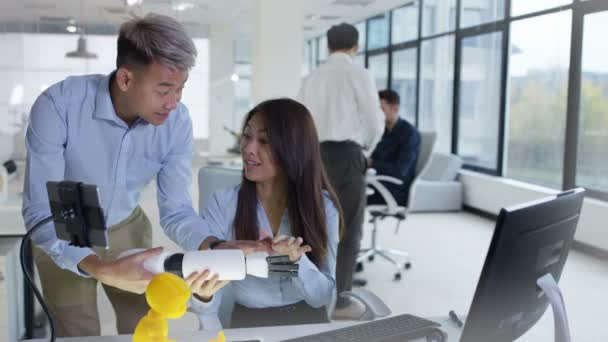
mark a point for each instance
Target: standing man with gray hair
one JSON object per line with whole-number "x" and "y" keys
{"x": 118, "y": 131}
{"x": 343, "y": 100}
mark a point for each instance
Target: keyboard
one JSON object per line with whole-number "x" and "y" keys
{"x": 398, "y": 328}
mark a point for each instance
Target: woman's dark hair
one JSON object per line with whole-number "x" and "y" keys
{"x": 295, "y": 147}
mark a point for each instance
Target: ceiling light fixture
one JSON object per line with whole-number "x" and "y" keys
{"x": 71, "y": 28}
{"x": 131, "y": 3}
{"x": 182, "y": 6}
{"x": 314, "y": 17}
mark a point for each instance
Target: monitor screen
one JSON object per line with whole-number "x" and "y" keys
{"x": 529, "y": 241}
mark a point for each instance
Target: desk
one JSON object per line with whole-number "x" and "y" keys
{"x": 268, "y": 334}
{"x": 19, "y": 297}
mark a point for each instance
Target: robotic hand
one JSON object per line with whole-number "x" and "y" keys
{"x": 228, "y": 264}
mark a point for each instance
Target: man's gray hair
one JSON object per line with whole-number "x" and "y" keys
{"x": 155, "y": 37}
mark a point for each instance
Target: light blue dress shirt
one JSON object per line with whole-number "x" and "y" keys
{"x": 315, "y": 285}
{"x": 74, "y": 134}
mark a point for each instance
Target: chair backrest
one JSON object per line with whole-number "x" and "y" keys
{"x": 214, "y": 178}
{"x": 427, "y": 141}
{"x": 442, "y": 167}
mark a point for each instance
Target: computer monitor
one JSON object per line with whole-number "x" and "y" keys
{"x": 530, "y": 241}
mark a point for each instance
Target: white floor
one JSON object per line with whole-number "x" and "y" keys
{"x": 447, "y": 253}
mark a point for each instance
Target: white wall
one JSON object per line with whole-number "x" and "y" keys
{"x": 490, "y": 193}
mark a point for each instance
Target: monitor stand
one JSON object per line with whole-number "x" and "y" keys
{"x": 550, "y": 288}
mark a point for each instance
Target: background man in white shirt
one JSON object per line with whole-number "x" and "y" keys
{"x": 343, "y": 100}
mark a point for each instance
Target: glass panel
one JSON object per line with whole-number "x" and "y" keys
{"x": 314, "y": 46}
{"x": 404, "y": 82}
{"x": 323, "y": 52}
{"x": 362, "y": 32}
{"x": 476, "y": 12}
{"x": 592, "y": 166}
{"x": 436, "y": 90}
{"x": 306, "y": 67}
{"x": 438, "y": 16}
{"x": 378, "y": 67}
{"x": 405, "y": 23}
{"x": 360, "y": 59}
{"x": 479, "y": 100}
{"x": 538, "y": 92}
{"x": 378, "y": 32}
{"x": 520, "y": 7}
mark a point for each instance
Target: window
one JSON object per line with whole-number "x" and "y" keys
{"x": 521, "y": 7}
{"x": 478, "y": 110}
{"x": 362, "y": 33}
{"x": 378, "y": 67}
{"x": 405, "y": 23}
{"x": 438, "y": 16}
{"x": 592, "y": 166}
{"x": 306, "y": 66}
{"x": 313, "y": 52}
{"x": 323, "y": 51}
{"x": 538, "y": 90}
{"x": 360, "y": 59}
{"x": 378, "y": 32}
{"x": 475, "y": 12}
{"x": 436, "y": 90}
{"x": 404, "y": 82}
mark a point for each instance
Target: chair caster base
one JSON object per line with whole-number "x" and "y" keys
{"x": 397, "y": 276}
{"x": 359, "y": 267}
{"x": 408, "y": 265}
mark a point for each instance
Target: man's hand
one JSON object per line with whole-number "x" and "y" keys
{"x": 127, "y": 273}
{"x": 204, "y": 286}
{"x": 247, "y": 246}
{"x": 291, "y": 246}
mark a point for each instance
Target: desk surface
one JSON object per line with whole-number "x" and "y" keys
{"x": 268, "y": 334}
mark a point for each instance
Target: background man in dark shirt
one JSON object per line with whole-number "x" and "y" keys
{"x": 396, "y": 154}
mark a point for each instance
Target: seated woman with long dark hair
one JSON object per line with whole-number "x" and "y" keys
{"x": 284, "y": 202}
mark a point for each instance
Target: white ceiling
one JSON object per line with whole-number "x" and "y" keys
{"x": 108, "y": 14}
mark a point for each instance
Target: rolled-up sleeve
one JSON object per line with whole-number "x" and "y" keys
{"x": 178, "y": 219}
{"x": 317, "y": 284}
{"x": 45, "y": 142}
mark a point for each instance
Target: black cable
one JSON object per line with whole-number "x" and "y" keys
{"x": 28, "y": 277}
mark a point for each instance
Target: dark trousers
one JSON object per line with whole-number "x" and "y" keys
{"x": 345, "y": 166}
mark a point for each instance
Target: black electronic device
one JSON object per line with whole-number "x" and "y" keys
{"x": 78, "y": 218}
{"x": 530, "y": 241}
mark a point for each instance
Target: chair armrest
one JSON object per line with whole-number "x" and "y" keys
{"x": 435, "y": 196}
{"x": 374, "y": 306}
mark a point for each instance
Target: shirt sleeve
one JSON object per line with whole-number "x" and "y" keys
{"x": 317, "y": 284}
{"x": 45, "y": 141}
{"x": 178, "y": 218}
{"x": 208, "y": 313}
{"x": 369, "y": 109}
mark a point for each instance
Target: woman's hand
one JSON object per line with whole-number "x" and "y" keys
{"x": 203, "y": 287}
{"x": 291, "y": 246}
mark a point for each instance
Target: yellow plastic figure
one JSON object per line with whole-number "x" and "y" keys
{"x": 220, "y": 337}
{"x": 167, "y": 295}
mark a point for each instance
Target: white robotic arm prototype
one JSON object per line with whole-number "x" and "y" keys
{"x": 228, "y": 264}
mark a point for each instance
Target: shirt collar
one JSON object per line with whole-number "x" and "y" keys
{"x": 104, "y": 108}
{"x": 340, "y": 56}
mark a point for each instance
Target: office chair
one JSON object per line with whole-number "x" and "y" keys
{"x": 380, "y": 212}
{"x": 392, "y": 209}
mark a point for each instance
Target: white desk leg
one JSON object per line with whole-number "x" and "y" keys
{"x": 14, "y": 291}
{"x": 549, "y": 286}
